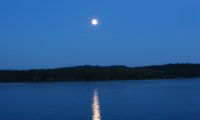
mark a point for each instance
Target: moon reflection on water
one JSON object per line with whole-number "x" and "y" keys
{"x": 95, "y": 106}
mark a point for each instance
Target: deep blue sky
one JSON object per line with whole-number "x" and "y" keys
{"x": 58, "y": 33}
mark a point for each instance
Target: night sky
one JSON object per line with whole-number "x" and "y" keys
{"x": 58, "y": 33}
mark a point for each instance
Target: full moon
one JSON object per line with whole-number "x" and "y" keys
{"x": 94, "y": 22}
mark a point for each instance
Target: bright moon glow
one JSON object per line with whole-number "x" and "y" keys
{"x": 94, "y": 22}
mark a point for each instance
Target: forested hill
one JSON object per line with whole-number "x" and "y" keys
{"x": 90, "y": 73}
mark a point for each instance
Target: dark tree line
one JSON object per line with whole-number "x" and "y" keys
{"x": 89, "y": 73}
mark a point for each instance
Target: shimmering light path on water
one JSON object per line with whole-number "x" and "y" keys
{"x": 96, "y": 107}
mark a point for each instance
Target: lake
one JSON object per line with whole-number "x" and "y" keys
{"x": 105, "y": 100}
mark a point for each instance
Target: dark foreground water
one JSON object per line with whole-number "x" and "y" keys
{"x": 112, "y": 100}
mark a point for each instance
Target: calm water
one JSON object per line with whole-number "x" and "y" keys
{"x": 112, "y": 100}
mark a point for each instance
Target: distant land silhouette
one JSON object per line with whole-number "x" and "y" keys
{"x": 97, "y": 73}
